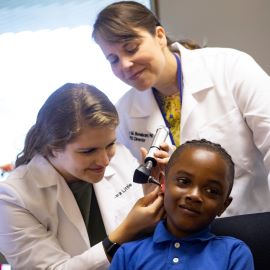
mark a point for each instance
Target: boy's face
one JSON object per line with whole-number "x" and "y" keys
{"x": 196, "y": 191}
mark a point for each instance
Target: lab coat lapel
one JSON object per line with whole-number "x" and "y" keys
{"x": 71, "y": 209}
{"x": 48, "y": 178}
{"x": 196, "y": 81}
{"x": 145, "y": 106}
{"x": 113, "y": 208}
{"x": 188, "y": 104}
{"x": 115, "y": 194}
{"x": 104, "y": 192}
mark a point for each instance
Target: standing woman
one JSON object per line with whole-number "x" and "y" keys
{"x": 72, "y": 187}
{"x": 218, "y": 94}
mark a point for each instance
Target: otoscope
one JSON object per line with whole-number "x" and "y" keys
{"x": 142, "y": 173}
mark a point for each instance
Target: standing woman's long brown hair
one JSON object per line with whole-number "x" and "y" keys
{"x": 116, "y": 23}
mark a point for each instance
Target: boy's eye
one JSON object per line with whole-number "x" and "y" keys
{"x": 213, "y": 191}
{"x": 182, "y": 180}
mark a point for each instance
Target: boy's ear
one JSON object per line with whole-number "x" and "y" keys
{"x": 226, "y": 204}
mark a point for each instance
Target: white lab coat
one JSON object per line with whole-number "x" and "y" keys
{"x": 41, "y": 225}
{"x": 226, "y": 99}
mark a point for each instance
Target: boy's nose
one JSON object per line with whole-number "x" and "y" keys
{"x": 194, "y": 195}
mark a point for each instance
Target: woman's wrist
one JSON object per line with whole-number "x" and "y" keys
{"x": 121, "y": 234}
{"x": 110, "y": 247}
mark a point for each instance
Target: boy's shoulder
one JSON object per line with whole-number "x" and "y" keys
{"x": 144, "y": 244}
{"x": 228, "y": 244}
{"x": 227, "y": 240}
{"x": 139, "y": 243}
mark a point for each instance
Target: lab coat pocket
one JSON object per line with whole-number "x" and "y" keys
{"x": 233, "y": 134}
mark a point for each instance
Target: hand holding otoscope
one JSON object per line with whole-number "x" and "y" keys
{"x": 142, "y": 174}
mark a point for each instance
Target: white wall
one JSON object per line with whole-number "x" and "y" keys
{"x": 44, "y": 44}
{"x": 239, "y": 24}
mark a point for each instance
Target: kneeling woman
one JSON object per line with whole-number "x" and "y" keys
{"x": 71, "y": 196}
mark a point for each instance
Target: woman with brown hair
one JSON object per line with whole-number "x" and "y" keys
{"x": 219, "y": 94}
{"x": 71, "y": 202}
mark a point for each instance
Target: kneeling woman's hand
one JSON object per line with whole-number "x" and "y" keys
{"x": 142, "y": 218}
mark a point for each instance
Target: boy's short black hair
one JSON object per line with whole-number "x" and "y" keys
{"x": 203, "y": 143}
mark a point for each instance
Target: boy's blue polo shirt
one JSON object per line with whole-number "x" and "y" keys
{"x": 202, "y": 250}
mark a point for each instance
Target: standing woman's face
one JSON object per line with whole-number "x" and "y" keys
{"x": 140, "y": 62}
{"x": 87, "y": 157}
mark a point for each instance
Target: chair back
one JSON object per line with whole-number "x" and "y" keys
{"x": 253, "y": 229}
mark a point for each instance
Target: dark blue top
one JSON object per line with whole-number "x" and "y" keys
{"x": 202, "y": 250}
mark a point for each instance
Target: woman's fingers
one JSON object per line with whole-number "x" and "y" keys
{"x": 162, "y": 155}
{"x": 156, "y": 205}
{"x": 150, "y": 197}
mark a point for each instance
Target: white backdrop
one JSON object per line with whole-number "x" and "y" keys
{"x": 40, "y": 50}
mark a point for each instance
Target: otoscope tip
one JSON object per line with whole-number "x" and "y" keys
{"x": 151, "y": 179}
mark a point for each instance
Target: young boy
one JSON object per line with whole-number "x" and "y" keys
{"x": 199, "y": 179}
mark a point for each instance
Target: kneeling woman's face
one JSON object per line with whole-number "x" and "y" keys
{"x": 86, "y": 157}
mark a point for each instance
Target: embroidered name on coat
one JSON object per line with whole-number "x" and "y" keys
{"x": 123, "y": 190}
{"x": 139, "y": 136}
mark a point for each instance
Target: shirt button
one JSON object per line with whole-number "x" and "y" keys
{"x": 177, "y": 245}
{"x": 175, "y": 260}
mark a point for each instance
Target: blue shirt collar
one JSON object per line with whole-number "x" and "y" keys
{"x": 162, "y": 234}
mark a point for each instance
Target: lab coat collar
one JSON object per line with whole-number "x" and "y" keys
{"x": 195, "y": 75}
{"x": 144, "y": 106}
{"x": 47, "y": 177}
{"x": 43, "y": 172}
{"x": 195, "y": 80}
